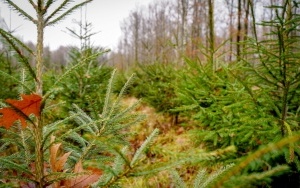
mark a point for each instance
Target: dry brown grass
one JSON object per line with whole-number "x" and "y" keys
{"x": 173, "y": 142}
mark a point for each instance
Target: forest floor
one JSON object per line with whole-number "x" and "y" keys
{"x": 172, "y": 143}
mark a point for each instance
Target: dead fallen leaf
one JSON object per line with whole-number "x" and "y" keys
{"x": 20, "y": 110}
{"x": 88, "y": 177}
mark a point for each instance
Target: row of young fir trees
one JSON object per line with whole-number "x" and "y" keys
{"x": 248, "y": 103}
{"x": 71, "y": 130}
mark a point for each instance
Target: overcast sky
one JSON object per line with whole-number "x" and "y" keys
{"x": 105, "y": 16}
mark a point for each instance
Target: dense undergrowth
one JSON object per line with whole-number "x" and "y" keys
{"x": 234, "y": 126}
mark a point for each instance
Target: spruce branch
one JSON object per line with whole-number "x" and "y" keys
{"x": 4, "y": 146}
{"x": 143, "y": 147}
{"x": 69, "y": 71}
{"x": 57, "y": 177}
{"x": 212, "y": 155}
{"x": 6, "y": 162}
{"x": 22, "y": 80}
{"x": 201, "y": 175}
{"x": 84, "y": 118}
{"x": 21, "y": 12}
{"x": 12, "y": 78}
{"x": 255, "y": 178}
{"x": 48, "y": 4}
{"x": 106, "y": 106}
{"x": 32, "y": 4}
{"x": 14, "y": 178}
{"x": 121, "y": 160}
{"x": 256, "y": 155}
{"x": 215, "y": 175}
{"x": 105, "y": 180}
{"x": 25, "y": 146}
{"x": 14, "y": 42}
{"x": 73, "y": 33}
{"x": 81, "y": 127}
{"x": 52, "y": 127}
{"x": 61, "y": 7}
{"x": 246, "y": 87}
{"x": 118, "y": 100}
{"x": 291, "y": 145}
{"x": 122, "y": 115}
{"x": 177, "y": 180}
{"x": 113, "y": 174}
{"x": 256, "y": 43}
{"x": 124, "y": 88}
{"x": 63, "y": 76}
{"x": 48, "y": 20}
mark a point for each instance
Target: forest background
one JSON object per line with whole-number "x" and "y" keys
{"x": 220, "y": 82}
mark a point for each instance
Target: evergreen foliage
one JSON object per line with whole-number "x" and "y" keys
{"x": 246, "y": 113}
{"x": 83, "y": 85}
{"x": 224, "y": 108}
{"x": 156, "y": 86}
{"x": 31, "y": 156}
{"x": 254, "y": 159}
{"x": 94, "y": 141}
{"x": 7, "y": 70}
{"x": 238, "y": 175}
{"x": 275, "y": 72}
{"x": 253, "y": 102}
{"x": 202, "y": 179}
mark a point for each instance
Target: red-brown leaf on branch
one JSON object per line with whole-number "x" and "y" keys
{"x": 88, "y": 177}
{"x": 83, "y": 179}
{"x": 30, "y": 104}
{"x": 57, "y": 163}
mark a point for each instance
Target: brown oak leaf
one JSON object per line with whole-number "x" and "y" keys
{"x": 57, "y": 163}
{"x": 20, "y": 110}
{"x": 85, "y": 177}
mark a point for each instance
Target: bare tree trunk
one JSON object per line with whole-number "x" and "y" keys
{"x": 230, "y": 7}
{"x": 239, "y": 31}
{"x": 183, "y": 4}
{"x": 211, "y": 27}
{"x": 195, "y": 29}
{"x": 136, "y": 26}
{"x": 246, "y": 20}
